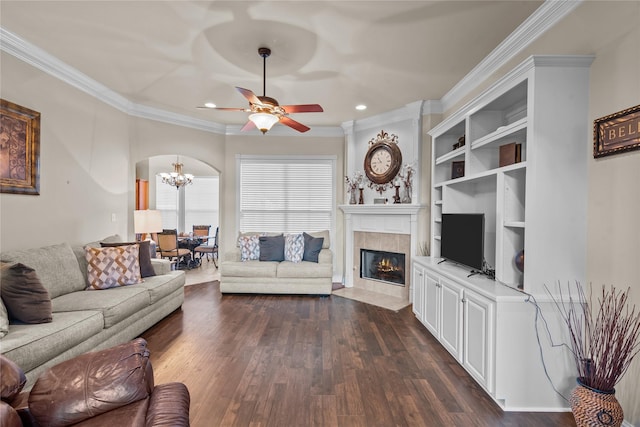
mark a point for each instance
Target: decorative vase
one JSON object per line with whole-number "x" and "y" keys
{"x": 519, "y": 261}
{"x": 595, "y": 408}
{"x": 352, "y": 200}
{"x": 407, "y": 195}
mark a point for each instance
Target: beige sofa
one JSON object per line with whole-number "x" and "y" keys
{"x": 278, "y": 277}
{"x": 85, "y": 320}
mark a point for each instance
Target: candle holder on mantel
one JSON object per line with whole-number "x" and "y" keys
{"x": 396, "y": 198}
{"x": 361, "y": 199}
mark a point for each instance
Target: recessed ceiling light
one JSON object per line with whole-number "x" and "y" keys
{"x": 361, "y": 107}
{"x": 210, "y": 105}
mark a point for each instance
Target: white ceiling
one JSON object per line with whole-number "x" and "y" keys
{"x": 176, "y": 55}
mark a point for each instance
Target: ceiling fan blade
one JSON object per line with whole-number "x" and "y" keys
{"x": 293, "y": 124}
{"x": 251, "y": 97}
{"x": 248, "y": 126}
{"x": 224, "y": 109}
{"x": 303, "y": 108}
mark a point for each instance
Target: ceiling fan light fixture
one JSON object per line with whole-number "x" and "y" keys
{"x": 264, "y": 121}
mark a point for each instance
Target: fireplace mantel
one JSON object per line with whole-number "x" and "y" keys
{"x": 398, "y": 209}
{"x": 392, "y": 219}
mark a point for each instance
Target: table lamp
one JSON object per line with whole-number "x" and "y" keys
{"x": 146, "y": 221}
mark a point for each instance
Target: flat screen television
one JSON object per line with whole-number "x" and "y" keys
{"x": 462, "y": 239}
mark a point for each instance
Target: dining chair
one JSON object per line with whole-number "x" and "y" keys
{"x": 208, "y": 249}
{"x": 168, "y": 248}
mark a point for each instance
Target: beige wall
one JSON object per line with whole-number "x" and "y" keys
{"x": 85, "y": 173}
{"x": 613, "y": 252}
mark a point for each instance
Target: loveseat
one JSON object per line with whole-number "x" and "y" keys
{"x": 245, "y": 269}
{"x": 84, "y": 320}
{"x": 111, "y": 387}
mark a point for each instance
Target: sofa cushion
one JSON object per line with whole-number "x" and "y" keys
{"x": 248, "y": 269}
{"x": 303, "y": 269}
{"x": 312, "y": 247}
{"x": 116, "y": 304}
{"x": 25, "y": 297}
{"x": 113, "y": 266}
{"x": 56, "y": 266}
{"x": 144, "y": 255}
{"x": 34, "y": 345}
{"x": 159, "y": 287}
{"x": 271, "y": 248}
{"x": 293, "y": 247}
{"x": 249, "y": 247}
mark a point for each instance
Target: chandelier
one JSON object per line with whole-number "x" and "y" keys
{"x": 176, "y": 178}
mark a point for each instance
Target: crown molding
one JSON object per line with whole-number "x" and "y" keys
{"x": 164, "y": 116}
{"x": 38, "y": 58}
{"x": 413, "y": 110}
{"x": 542, "y": 19}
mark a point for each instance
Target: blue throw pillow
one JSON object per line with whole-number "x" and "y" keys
{"x": 312, "y": 247}
{"x": 272, "y": 248}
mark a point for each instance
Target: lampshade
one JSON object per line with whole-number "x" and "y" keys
{"x": 147, "y": 221}
{"x": 264, "y": 121}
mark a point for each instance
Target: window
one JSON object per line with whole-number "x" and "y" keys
{"x": 194, "y": 204}
{"x": 286, "y": 194}
{"x": 201, "y": 203}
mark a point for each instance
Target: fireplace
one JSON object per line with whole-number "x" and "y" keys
{"x": 388, "y": 267}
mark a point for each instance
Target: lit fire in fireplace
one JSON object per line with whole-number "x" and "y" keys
{"x": 385, "y": 266}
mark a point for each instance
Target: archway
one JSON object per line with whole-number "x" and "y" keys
{"x": 195, "y": 204}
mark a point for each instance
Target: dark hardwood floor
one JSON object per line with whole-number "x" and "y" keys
{"x": 311, "y": 361}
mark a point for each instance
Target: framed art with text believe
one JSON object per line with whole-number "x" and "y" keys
{"x": 617, "y": 133}
{"x": 19, "y": 149}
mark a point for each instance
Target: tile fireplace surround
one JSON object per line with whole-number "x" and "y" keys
{"x": 390, "y": 228}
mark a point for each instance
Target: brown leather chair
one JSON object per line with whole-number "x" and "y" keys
{"x": 112, "y": 387}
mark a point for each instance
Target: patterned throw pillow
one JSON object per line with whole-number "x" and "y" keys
{"x": 293, "y": 247}
{"x": 144, "y": 258}
{"x": 111, "y": 267}
{"x": 249, "y": 247}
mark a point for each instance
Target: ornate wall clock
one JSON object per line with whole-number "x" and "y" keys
{"x": 383, "y": 159}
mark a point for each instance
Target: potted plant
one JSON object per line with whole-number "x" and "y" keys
{"x": 604, "y": 339}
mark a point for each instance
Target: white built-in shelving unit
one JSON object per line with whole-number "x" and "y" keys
{"x": 538, "y": 204}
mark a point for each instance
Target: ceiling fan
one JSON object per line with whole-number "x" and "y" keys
{"x": 265, "y": 110}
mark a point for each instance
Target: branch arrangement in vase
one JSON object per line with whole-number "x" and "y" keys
{"x": 604, "y": 337}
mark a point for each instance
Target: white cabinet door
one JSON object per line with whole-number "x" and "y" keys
{"x": 451, "y": 317}
{"x": 418, "y": 291}
{"x": 432, "y": 304}
{"x": 479, "y": 338}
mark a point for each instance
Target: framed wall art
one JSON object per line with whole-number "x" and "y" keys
{"x": 19, "y": 149}
{"x": 616, "y": 133}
